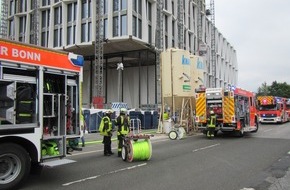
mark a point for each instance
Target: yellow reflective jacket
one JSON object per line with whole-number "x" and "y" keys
{"x": 105, "y": 126}
{"x": 123, "y": 124}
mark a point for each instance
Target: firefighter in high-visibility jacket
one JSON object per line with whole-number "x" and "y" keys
{"x": 211, "y": 124}
{"x": 122, "y": 122}
{"x": 106, "y": 130}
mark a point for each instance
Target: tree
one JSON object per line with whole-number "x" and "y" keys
{"x": 276, "y": 89}
{"x": 263, "y": 90}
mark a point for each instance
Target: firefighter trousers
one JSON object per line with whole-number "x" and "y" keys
{"x": 107, "y": 145}
{"x": 210, "y": 132}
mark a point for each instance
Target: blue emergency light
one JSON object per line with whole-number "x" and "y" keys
{"x": 77, "y": 60}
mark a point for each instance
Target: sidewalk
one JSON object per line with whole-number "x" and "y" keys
{"x": 96, "y": 138}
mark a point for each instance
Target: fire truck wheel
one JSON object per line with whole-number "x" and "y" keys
{"x": 173, "y": 135}
{"x": 240, "y": 133}
{"x": 15, "y": 165}
{"x": 257, "y": 125}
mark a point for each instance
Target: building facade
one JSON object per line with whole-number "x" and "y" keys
{"x": 130, "y": 35}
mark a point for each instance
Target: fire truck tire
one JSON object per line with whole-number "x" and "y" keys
{"x": 240, "y": 132}
{"x": 215, "y": 133}
{"x": 257, "y": 124}
{"x": 15, "y": 166}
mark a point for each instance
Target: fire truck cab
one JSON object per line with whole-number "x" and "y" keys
{"x": 272, "y": 109}
{"x": 235, "y": 110}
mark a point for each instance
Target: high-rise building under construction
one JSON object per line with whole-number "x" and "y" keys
{"x": 131, "y": 32}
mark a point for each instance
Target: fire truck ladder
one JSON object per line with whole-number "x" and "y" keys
{"x": 98, "y": 63}
{"x": 4, "y": 15}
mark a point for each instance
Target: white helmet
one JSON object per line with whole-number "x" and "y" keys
{"x": 123, "y": 110}
{"x": 211, "y": 112}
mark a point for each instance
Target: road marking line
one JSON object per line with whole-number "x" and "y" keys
{"x": 210, "y": 146}
{"x": 97, "y": 176}
{"x": 268, "y": 130}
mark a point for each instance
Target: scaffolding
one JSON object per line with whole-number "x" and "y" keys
{"x": 180, "y": 24}
{"x": 35, "y": 23}
{"x": 213, "y": 50}
{"x": 199, "y": 24}
{"x": 159, "y": 49}
{"x": 4, "y": 16}
{"x": 97, "y": 87}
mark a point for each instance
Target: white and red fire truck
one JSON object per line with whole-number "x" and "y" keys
{"x": 39, "y": 108}
{"x": 272, "y": 109}
{"x": 235, "y": 110}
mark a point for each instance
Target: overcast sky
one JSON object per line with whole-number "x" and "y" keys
{"x": 259, "y": 31}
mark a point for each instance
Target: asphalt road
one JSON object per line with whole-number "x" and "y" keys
{"x": 256, "y": 161}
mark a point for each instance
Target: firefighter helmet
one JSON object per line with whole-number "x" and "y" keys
{"x": 211, "y": 112}
{"x": 123, "y": 110}
{"x": 109, "y": 111}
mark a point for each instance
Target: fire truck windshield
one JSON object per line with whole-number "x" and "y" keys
{"x": 269, "y": 107}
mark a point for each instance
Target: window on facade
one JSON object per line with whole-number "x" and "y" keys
{"x": 140, "y": 7}
{"x": 115, "y": 26}
{"x": 69, "y": 35}
{"x": 57, "y": 27}
{"x": 22, "y": 26}
{"x": 44, "y": 27}
{"x": 166, "y": 23}
{"x": 70, "y": 12}
{"x": 45, "y": 2}
{"x": 149, "y": 11}
{"x": 134, "y": 2}
{"x": 134, "y": 26}
{"x": 86, "y": 8}
{"x": 56, "y": 37}
{"x": 123, "y": 4}
{"x": 115, "y": 5}
{"x": 83, "y": 36}
{"x": 57, "y": 16}
{"x": 11, "y": 10}
{"x": 71, "y": 18}
{"x": 165, "y": 4}
{"x": 123, "y": 25}
{"x": 22, "y": 6}
{"x": 11, "y": 31}
{"x": 189, "y": 41}
{"x": 172, "y": 5}
{"x": 105, "y": 28}
{"x": 105, "y": 6}
{"x": 166, "y": 41}
{"x": 44, "y": 38}
{"x": 149, "y": 34}
{"x": 173, "y": 34}
{"x": 139, "y": 28}
{"x": 89, "y": 33}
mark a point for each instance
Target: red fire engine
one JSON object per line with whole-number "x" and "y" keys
{"x": 272, "y": 109}
{"x": 235, "y": 110}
